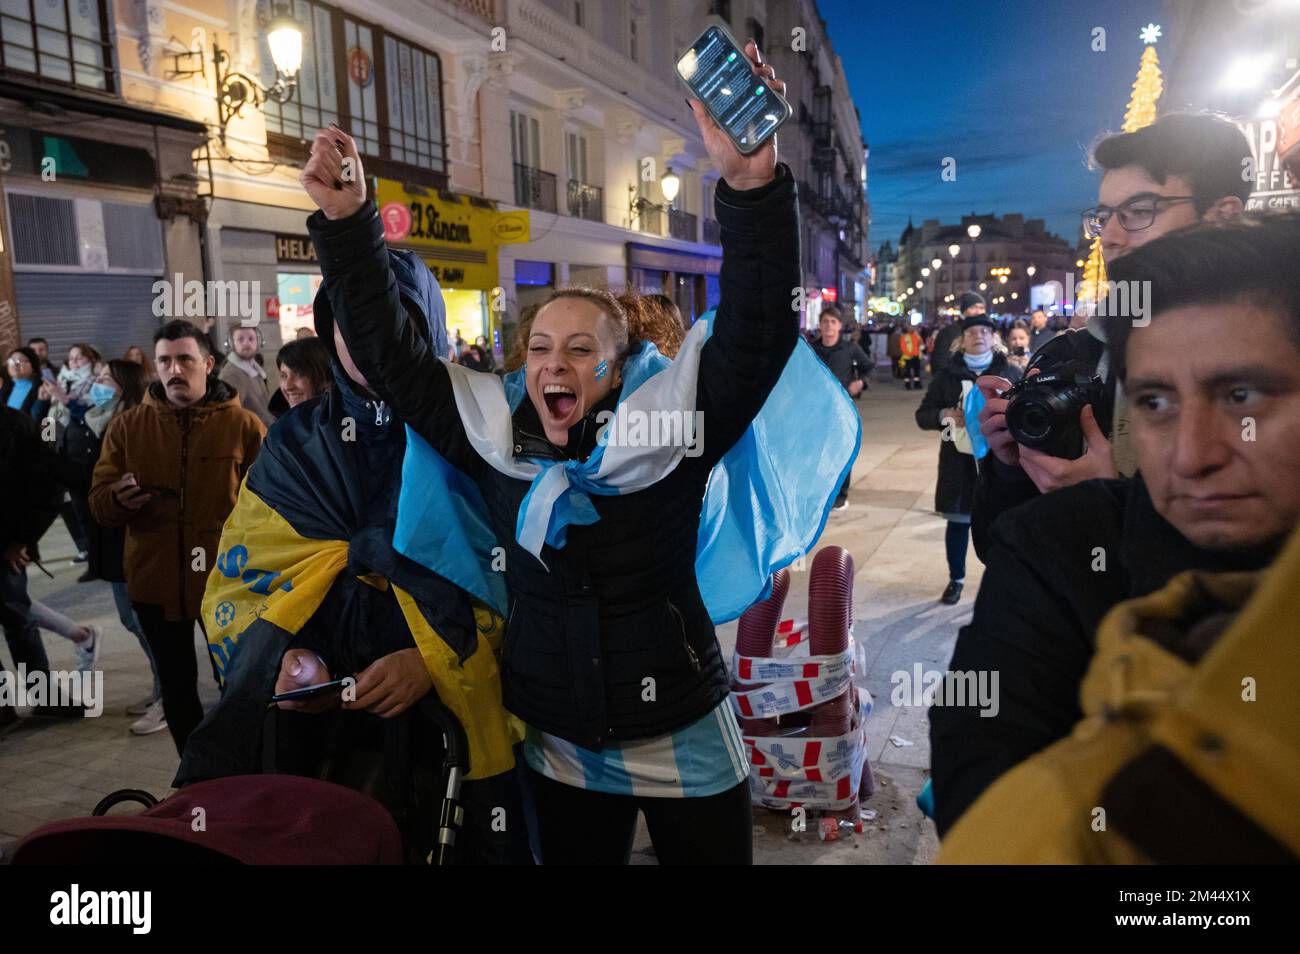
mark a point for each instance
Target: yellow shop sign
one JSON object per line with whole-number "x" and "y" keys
{"x": 454, "y": 234}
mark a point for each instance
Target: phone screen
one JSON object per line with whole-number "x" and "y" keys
{"x": 310, "y": 692}
{"x": 721, "y": 78}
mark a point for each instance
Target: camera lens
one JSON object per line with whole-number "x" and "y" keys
{"x": 1031, "y": 421}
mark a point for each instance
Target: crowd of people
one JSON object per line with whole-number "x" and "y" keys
{"x": 273, "y": 519}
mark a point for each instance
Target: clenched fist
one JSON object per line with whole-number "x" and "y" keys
{"x": 333, "y": 176}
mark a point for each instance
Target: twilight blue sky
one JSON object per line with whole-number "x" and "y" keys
{"x": 1012, "y": 90}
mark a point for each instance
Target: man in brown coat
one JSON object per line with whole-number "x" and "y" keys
{"x": 170, "y": 470}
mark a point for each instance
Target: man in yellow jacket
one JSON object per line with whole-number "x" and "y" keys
{"x": 1189, "y": 749}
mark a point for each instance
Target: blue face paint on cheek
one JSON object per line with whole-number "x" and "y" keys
{"x": 602, "y": 369}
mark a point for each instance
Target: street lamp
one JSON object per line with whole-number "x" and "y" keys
{"x": 236, "y": 89}
{"x": 1030, "y": 271}
{"x": 925, "y": 272}
{"x": 973, "y": 231}
{"x": 936, "y": 263}
{"x": 669, "y": 185}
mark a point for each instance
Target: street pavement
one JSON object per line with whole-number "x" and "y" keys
{"x": 51, "y": 769}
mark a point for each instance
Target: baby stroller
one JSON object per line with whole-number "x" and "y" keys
{"x": 337, "y": 790}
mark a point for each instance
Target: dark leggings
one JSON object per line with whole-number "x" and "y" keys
{"x": 172, "y": 645}
{"x": 581, "y": 827}
{"x": 956, "y": 538}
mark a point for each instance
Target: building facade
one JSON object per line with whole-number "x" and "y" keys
{"x": 824, "y": 147}
{"x": 996, "y": 263}
{"x": 516, "y": 145}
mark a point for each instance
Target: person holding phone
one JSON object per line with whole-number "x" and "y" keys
{"x": 610, "y": 655}
{"x": 169, "y": 470}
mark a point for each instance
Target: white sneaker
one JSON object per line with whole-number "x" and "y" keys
{"x": 88, "y": 651}
{"x": 141, "y": 707}
{"x": 152, "y": 721}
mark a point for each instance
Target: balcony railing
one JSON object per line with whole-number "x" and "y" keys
{"x": 650, "y": 220}
{"x": 712, "y": 232}
{"x": 683, "y": 225}
{"x": 534, "y": 189}
{"x": 586, "y": 201}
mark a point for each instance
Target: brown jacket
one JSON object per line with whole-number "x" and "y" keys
{"x": 193, "y": 460}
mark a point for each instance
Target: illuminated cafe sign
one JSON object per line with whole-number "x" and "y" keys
{"x": 294, "y": 249}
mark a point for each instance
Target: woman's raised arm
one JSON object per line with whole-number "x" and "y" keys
{"x": 757, "y": 324}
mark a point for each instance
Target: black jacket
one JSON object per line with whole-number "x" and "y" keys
{"x": 29, "y": 488}
{"x": 955, "y": 489}
{"x": 999, "y": 487}
{"x": 32, "y": 405}
{"x": 943, "y": 340}
{"x": 79, "y": 452}
{"x": 620, "y": 603}
{"x": 1043, "y": 594}
{"x": 846, "y": 360}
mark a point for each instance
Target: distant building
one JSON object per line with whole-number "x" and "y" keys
{"x": 886, "y": 267}
{"x": 1007, "y": 247}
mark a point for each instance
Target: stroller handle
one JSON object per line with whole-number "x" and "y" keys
{"x": 123, "y": 795}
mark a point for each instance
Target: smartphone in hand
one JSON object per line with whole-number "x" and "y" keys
{"x": 334, "y": 686}
{"x": 718, "y": 74}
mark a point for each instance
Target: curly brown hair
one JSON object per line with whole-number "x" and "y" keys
{"x": 634, "y": 317}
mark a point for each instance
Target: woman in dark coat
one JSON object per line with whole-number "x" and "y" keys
{"x": 978, "y": 352}
{"x": 610, "y": 656}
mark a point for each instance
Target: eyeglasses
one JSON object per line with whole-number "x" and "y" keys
{"x": 1135, "y": 214}
{"x": 17, "y": 360}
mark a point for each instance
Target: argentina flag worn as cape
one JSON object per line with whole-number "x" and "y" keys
{"x": 765, "y": 505}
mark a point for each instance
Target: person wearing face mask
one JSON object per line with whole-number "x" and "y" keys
{"x": 610, "y": 655}
{"x": 979, "y": 351}
{"x": 70, "y": 394}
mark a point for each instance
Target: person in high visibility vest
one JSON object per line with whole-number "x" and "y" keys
{"x": 909, "y": 345}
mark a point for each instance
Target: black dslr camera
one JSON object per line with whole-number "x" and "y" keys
{"x": 1043, "y": 410}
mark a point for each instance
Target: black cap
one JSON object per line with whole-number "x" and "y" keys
{"x": 970, "y": 298}
{"x": 975, "y": 320}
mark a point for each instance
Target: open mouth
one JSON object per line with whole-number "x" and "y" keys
{"x": 560, "y": 401}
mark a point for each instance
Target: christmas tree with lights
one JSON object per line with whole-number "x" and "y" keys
{"x": 1141, "y": 112}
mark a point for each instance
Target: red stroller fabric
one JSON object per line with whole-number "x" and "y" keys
{"x": 246, "y": 819}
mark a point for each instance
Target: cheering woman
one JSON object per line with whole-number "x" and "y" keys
{"x": 610, "y": 656}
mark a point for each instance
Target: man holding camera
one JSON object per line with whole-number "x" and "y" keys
{"x": 1183, "y": 169}
{"x": 1216, "y": 433}
{"x": 1057, "y": 564}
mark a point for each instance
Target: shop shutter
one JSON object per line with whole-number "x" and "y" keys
{"x": 111, "y": 312}
{"x": 44, "y": 230}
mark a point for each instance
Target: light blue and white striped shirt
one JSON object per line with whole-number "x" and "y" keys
{"x": 705, "y": 758}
